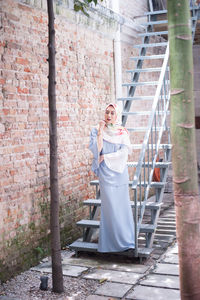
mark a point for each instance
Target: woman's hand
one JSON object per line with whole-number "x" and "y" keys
{"x": 101, "y": 158}
{"x": 102, "y": 124}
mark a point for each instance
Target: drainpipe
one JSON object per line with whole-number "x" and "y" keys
{"x": 117, "y": 54}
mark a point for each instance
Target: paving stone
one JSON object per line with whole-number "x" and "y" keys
{"x": 114, "y": 276}
{"x": 126, "y": 267}
{"x": 164, "y": 281}
{"x": 167, "y": 269}
{"x": 171, "y": 259}
{"x": 113, "y": 289}
{"x": 68, "y": 270}
{"x": 152, "y": 293}
{"x": 96, "y": 297}
{"x": 8, "y": 298}
{"x": 173, "y": 250}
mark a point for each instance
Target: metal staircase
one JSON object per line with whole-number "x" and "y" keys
{"x": 155, "y": 135}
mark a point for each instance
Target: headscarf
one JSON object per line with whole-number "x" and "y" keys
{"x": 115, "y": 133}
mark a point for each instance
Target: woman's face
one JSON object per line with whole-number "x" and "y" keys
{"x": 110, "y": 115}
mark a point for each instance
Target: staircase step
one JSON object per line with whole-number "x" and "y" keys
{"x": 161, "y": 56}
{"x": 143, "y": 113}
{"x": 136, "y": 98}
{"x": 166, "y": 231}
{"x": 155, "y": 12}
{"x": 144, "y": 70}
{"x": 164, "y": 11}
{"x": 162, "y": 222}
{"x": 142, "y": 129}
{"x": 88, "y": 223}
{"x": 93, "y": 247}
{"x": 153, "y": 183}
{"x": 149, "y": 205}
{"x": 140, "y": 83}
{"x": 84, "y": 246}
{"x": 146, "y": 228}
{"x": 161, "y": 146}
{"x": 156, "y": 33}
{"x": 165, "y": 227}
{"x": 153, "y": 33}
{"x": 161, "y": 44}
{"x": 157, "y": 165}
{"x": 155, "y": 22}
{"x": 160, "y": 22}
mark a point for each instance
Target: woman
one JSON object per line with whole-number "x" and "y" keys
{"x": 110, "y": 145}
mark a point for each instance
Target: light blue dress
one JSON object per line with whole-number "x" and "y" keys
{"x": 116, "y": 225}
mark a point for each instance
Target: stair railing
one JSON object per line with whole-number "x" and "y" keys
{"x": 150, "y": 147}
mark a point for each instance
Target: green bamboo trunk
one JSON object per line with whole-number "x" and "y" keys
{"x": 184, "y": 162}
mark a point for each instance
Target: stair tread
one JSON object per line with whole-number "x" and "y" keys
{"x": 152, "y": 33}
{"x": 155, "y": 22}
{"x": 161, "y": 44}
{"x": 157, "y": 164}
{"x": 142, "y": 129}
{"x": 156, "y": 12}
{"x": 85, "y": 246}
{"x": 145, "y": 70}
{"x": 164, "y": 11}
{"x": 159, "y": 22}
{"x": 96, "y": 223}
{"x": 97, "y": 202}
{"x": 147, "y": 57}
{"x": 136, "y": 98}
{"x": 140, "y": 83}
{"x": 153, "y": 184}
{"x": 161, "y": 146}
{"x": 156, "y": 33}
{"x": 143, "y": 113}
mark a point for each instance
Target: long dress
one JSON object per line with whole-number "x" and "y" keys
{"x": 116, "y": 224}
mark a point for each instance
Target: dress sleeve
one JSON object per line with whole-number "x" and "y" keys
{"x": 94, "y": 149}
{"x": 116, "y": 161}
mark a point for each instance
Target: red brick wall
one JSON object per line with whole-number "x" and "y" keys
{"x": 85, "y": 84}
{"x": 84, "y": 64}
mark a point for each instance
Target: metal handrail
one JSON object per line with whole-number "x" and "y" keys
{"x": 161, "y": 98}
{"x": 153, "y": 113}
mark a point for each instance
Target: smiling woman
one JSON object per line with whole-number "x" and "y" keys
{"x": 110, "y": 146}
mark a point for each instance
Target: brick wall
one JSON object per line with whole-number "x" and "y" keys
{"x": 85, "y": 83}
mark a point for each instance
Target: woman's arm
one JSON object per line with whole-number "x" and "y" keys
{"x": 100, "y": 135}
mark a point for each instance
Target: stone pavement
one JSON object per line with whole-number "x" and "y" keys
{"x": 122, "y": 278}
{"x": 126, "y": 281}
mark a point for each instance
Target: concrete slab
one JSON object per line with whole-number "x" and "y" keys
{"x": 173, "y": 250}
{"x": 8, "y": 298}
{"x": 73, "y": 271}
{"x": 126, "y": 267}
{"x": 96, "y": 297}
{"x": 112, "y": 289}
{"x": 152, "y": 293}
{"x": 163, "y": 281}
{"x": 167, "y": 269}
{"x": 114, "y": 276}
{"x": 171, "y": 259}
